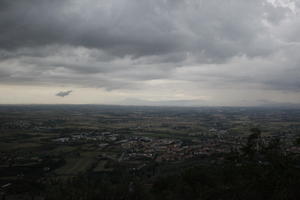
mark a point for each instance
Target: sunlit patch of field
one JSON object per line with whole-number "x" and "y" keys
{"x": 17, "y": 145}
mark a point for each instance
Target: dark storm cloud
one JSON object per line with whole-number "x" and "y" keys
{"x": 63, "y": 93}
{"x": 139, "y": 27}
{"x": 34, "y": 23}
{"x": 116, "y": 44}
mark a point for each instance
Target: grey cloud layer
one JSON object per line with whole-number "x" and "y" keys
{"x": 122, "y": 44}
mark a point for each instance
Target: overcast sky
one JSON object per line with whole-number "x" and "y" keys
{"x": 215, "y": 52}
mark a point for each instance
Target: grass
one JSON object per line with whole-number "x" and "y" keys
{"x": 100, "y": 167}
{"x": 76, "y": 165}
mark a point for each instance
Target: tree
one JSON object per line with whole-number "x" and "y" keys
{"x": 254, "y": 143}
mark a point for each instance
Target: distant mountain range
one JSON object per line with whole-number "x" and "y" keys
{"x": 140, "y": 102}
{"x": 200, "y": 103}
{"x": 268, "y": 103}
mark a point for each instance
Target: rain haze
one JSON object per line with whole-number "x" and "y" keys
{"x": 141, "y": 52}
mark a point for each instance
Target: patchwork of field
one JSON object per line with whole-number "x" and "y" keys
{"x": 65, "y": 140}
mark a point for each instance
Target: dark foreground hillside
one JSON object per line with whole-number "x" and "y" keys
{"x": 258, "y": 170}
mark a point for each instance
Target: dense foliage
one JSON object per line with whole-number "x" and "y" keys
{"x": 259, "y": 170}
